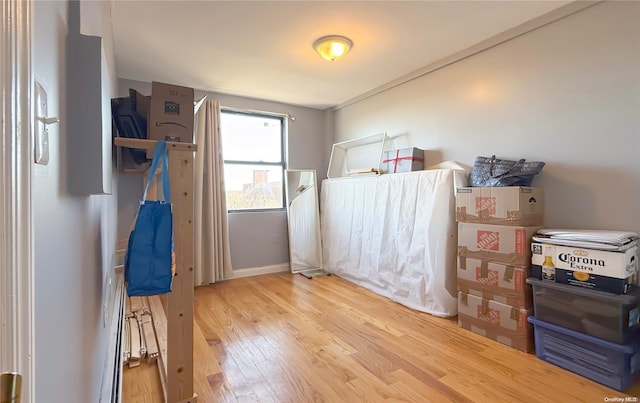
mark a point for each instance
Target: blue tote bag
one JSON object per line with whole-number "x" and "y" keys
{"x": 147, "y": 265}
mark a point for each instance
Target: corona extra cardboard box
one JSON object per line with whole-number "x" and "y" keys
{"x": 511, "y": 205}
{"x": 496, "y": 243}
{"x": 496, "y": 281}
{"x": 613, "y": 272}
{"x": 500, "y": 322}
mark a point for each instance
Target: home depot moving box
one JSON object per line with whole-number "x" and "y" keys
{"x": 496, "y": 243}
{"x": 512, "y": 205}
{"x": 495, "y": 281}
{"x": 503, "y": 323}
{"x": 171, "y": 113}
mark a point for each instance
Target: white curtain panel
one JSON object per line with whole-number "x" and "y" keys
{"x": 212, "y": 252}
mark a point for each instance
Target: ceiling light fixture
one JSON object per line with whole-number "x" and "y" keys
{"x": 333, "y": 47}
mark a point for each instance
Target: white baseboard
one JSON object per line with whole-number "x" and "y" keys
{"x": 111, "y": 389}
{"x": 257, "y": 271}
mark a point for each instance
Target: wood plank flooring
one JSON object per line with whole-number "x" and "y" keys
{"x": 285, "y": 338}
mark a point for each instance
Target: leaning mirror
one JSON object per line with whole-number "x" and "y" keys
{"x": 303, "y": 214}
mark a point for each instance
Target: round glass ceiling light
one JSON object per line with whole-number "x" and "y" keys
{"x": 333, "y": 47}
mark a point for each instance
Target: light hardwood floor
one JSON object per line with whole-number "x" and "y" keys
{"x": 285, "y": 338}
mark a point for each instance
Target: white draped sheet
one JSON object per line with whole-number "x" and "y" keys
{"x": 395, "y": 235}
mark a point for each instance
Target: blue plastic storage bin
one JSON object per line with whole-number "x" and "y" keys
{"x": 614, "y": 365}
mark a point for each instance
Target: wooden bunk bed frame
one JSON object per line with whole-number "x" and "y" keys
{"x": 175, "y": 362}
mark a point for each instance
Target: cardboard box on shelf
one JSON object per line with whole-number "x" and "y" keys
{"x": 403, "y": 160}
{"x": 600, "y": 270}
{"x": 496, "y": 243}
{"x": 512, "y": 205}
{"x": 496, "y": 281}
{"x": 171, "y": 113}
{"x": 503, "y": 323}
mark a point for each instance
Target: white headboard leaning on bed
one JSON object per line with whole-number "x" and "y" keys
{"x": 396, "y": 235}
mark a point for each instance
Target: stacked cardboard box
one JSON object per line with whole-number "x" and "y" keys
{"x": 495, "y": 226}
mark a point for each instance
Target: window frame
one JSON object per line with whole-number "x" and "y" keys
{"x": 282, "y": 163}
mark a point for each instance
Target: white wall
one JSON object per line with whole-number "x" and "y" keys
{"x": 74, "y": 236}
{"x": 567, "y": 94}
{"x": 257, "y": 239}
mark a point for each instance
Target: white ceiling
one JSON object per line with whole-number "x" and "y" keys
{"x": 262, "y": 49}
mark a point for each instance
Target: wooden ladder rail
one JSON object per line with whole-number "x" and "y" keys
{"x": 179, "y": 363}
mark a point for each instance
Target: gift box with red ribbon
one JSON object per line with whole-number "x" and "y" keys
{"x": 403, "y": 160}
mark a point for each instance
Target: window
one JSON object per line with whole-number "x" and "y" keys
{"x": 253, "y": 147}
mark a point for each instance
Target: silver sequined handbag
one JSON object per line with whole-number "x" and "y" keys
{"x": 493, "y": 172}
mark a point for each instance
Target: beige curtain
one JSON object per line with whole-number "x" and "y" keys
{"x": 212, "y": 256}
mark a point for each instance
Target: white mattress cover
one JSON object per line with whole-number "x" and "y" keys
{"x": 395, "y": 235}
